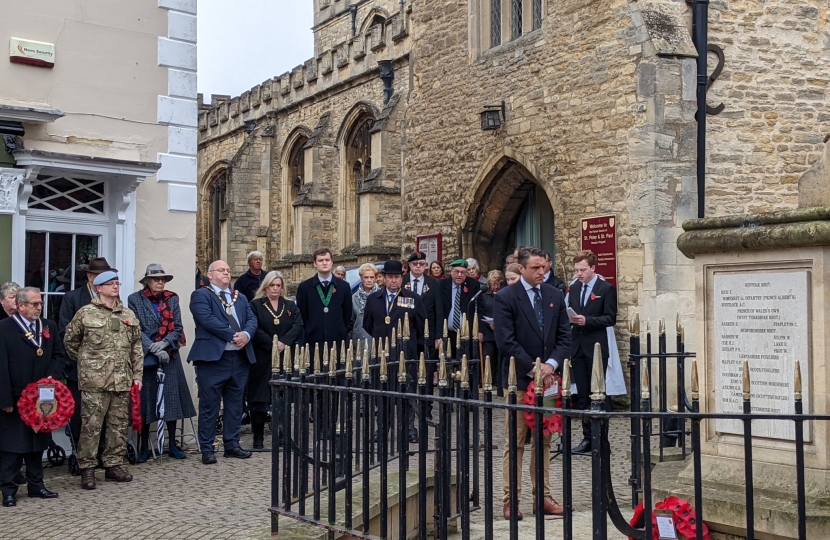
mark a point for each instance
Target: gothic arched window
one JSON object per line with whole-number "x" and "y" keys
{"x": 358, "y": 156}
{"x": 218, "y": 215}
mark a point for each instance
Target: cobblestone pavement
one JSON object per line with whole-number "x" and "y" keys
{"x": 172, "y": 499}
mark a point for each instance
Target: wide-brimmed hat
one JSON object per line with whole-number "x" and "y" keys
{"x": 154, "y": 270}
{"x": 98, "y": 265}
{"x": 392, "y": 267}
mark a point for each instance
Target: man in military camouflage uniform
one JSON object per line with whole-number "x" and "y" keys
{"x": 104, "y": 338}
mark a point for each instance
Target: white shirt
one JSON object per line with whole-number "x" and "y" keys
{"x": 230, "y": 346}
{"x": 532, "y": 297}
{"x": 586, "y": 290}
{"x": 324, "y": 281}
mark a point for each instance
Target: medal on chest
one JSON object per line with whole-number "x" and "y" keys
{"x": 34, "y": 338}
{"x": 390, "y": 303}
{"x": 276, "y": 316}
{"x": 326, "y": 299}
{"x": 228, "y": 305}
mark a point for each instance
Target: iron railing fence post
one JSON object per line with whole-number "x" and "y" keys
{"x": 663, "y": 396}
{"x": 750, "y": 498}
{"x": 334, "y": 442}
{"x": 403, "y": 446}
{"x": 599, "y": 511}
{"x": 368, "y": 451}
{"x": 539, "y": 456}
{"x": 567, "y": 473}
{"x": 696, "y": 454}
{"x": 488, "y": 450}
{"x": 276, "y": 413}
{"x": 302, "y": 472}
{"x": 681, "y": 386}
{"x": 799, "y": 457}
{"x": 513, "y": 466}
{"x": 463, "y": 437}
{"x": 348, "y": 466}
{"x": 646, "y": 407}
{"x": 634, "y": 366}
{"x": 422, "y": 444}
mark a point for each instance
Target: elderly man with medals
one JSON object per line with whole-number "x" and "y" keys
{"x": 29, "y": 351}
{"x": 385, "y": 309}
{"x": 104, "y": 338}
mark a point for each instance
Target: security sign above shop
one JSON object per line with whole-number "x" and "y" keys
{"x": 34, "y": 53}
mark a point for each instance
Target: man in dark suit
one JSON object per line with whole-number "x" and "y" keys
{"x": 222, "y": 354}
{"x": 421, "y": 283}
{"x": 81, "y": 295}
{"x": 30, "y": 349}
{"x": 384, "y": 308}
{"x": 325, "y": 304}
{"x": 550, "y": 277}
{"x": 595, "y": 302}
{"x": 249, "y": 282}
{"x": 530, "y": 322}
{"x": 454, "y": 298}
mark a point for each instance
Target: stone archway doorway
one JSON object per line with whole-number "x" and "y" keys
{"x": 511, "y": 209}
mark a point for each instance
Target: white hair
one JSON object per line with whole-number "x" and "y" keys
{"x": 255, "y": 255}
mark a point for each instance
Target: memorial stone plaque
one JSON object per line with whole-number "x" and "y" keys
{"x": 764, "y": 318}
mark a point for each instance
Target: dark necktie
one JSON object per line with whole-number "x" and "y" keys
{"x": 415, "y": 287}
{"x": 325, "y": 284}
{"x": 584, "y": 290}
{"x": 456, "y": 316}
{"x": 231, "y": 320}
{"x": 537, "y": 307}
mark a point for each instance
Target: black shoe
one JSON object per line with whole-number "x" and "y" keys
{"x": 9, "y": 500}
{"x": 583, "y": 448}
{"x": 208, "y": 458}
{"x": 43, "y": 493}
{"x": 413, "y": 437}
{"x": 259, "y": 443}
{"x": 237, "y": 453}
{"x": 20, "y": 478}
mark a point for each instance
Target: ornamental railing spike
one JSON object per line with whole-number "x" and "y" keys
{"x": 539, "y": 378}
{"x": 511, "y": 376}
{"x": 422, "y": 370}
{"x": 597, "y": 375}
{"x": 488, "y": 375}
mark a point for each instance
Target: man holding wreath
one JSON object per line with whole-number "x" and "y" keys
{"x": 29, "y": 351}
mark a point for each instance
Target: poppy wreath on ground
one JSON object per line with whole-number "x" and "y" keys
{"x": 683, "y": 514}
{"x": 135, "y": 408}
{"x": 32, "y": 417}
{"x": 550, "y": 423}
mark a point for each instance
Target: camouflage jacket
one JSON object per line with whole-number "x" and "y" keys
{"x": 106, "y": 344}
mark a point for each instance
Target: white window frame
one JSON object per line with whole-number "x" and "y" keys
{"x": 116, "y": 227}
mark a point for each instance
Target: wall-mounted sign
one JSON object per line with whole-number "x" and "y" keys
{"x": 599, "y": 234}
{"x": 34, "y": 53}
{"x": 432, "y": 246}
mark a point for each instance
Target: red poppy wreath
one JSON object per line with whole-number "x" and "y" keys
{"x": 34, "y": 418}
{"x": 135, "y": 408}
{"x": 550, "y": 423}
{"x": 684, "y": 516}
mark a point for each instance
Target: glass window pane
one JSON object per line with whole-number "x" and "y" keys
{"x": 36, "y": 260}
{"x": 516, "y": 18}
{"x": 60, "y": 258}
{"x": 495, "y": 23}
{"x": 537, "y": 14}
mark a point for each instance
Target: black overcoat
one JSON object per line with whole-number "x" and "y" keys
{"x": 289, "y": 331}
{"x": 518, "y": 333}
{"x": 319, "y": 326}
{"x": 444, "y": 302}
{"x": 70, "y": 304}
{"x": 429, "y": 294}
{"x": 19, "y": 366}
{"x": 600, "y": 312}
{"x": 374, "y": 317}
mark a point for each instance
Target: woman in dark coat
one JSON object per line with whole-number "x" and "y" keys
{"x": 485, "y": 324}
{"x": 275, "y": 316}
{"x": 162, "y": 335}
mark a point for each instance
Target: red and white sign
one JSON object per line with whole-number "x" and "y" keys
{"x": 432, "y": 246}
{"x": 599, "y": 234}
{"x": 34, "y": 53}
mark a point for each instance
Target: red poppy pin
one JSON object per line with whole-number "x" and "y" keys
{"x": 593, "y": 296}
{"x": 551, "y": 305}
{"x": 335, "y": 290}
{"x": 162, "y": 330}
{"x": 465, "y": 289}
{"x": 126, "y": 321}
{"x": 46, "y": 333}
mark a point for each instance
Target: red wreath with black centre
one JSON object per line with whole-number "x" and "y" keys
{"x": 32, "y": 417}
{"x": 550, "y": 423}
{"x": 685, "y": 518}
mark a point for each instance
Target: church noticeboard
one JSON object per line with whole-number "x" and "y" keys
{"x": 431, "y": 245}
{"x": 764, "y": 318}
{"x": 599, "y": 234}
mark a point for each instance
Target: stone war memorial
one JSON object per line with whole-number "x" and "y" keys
{"x": 762, "y": 288}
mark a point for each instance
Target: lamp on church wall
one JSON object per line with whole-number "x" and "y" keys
{"x": 493, "y": 116}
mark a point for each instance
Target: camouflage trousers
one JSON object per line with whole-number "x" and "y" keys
{"x": 95, "y": 408}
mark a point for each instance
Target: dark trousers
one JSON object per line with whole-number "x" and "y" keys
{"x": 10, "y": 465}
{"x": 221, "y": 381}
{"x": 492, "y": 351}
{"x": 582, "y": 365}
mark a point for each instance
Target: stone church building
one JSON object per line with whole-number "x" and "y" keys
{"x": 379, "y": 137}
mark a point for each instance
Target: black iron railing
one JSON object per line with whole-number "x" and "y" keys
{"x": 341, "y": 425}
